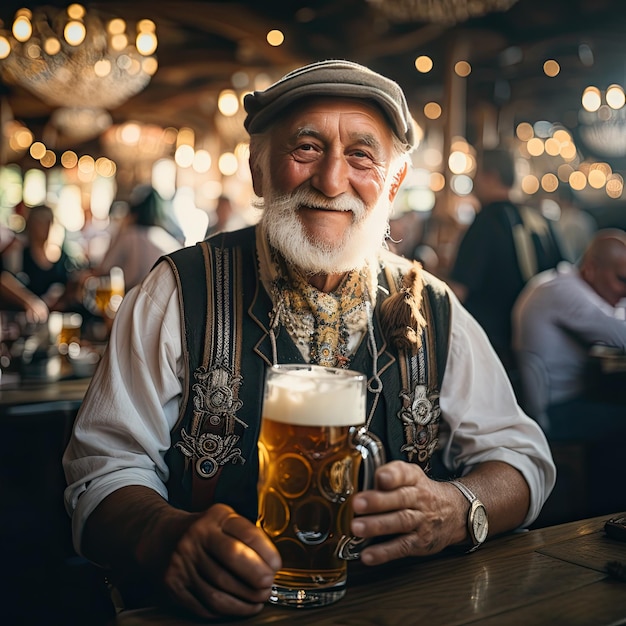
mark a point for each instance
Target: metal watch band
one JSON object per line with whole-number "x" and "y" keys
{"x": 474, "y": 504}
{"x": 464, "y": 490}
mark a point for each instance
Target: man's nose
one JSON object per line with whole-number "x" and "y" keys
{"x": 331, "y": 176}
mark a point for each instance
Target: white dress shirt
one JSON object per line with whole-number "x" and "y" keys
{"x": 123, "y": 428}
{"x": 557, "y": 317}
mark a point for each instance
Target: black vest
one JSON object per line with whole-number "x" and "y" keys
{"x": 213, "y": 457}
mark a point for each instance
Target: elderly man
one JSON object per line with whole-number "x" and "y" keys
{"x": 311, "y": 283}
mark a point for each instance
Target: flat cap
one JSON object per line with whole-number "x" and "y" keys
{"x": 331, "y": 78}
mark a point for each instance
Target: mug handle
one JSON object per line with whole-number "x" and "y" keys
{"x": 372, "y": 457}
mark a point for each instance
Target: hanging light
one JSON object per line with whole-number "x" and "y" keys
{"x": 78, "y": 60}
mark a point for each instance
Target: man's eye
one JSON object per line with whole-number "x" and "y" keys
{"x": 361, "y": 154}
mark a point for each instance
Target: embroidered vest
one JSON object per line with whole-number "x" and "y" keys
{"x": 227, "y": 347}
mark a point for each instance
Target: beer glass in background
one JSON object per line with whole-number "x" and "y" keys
{"x": 70, "y": 331}
{"x": 312, "y": 442}
{"x": 103, "y": 294}
{"x": 109, "y": 292}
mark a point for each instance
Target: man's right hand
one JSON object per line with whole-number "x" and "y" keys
{"x": 215, "y": 563}
{"x": 222, "y": 565}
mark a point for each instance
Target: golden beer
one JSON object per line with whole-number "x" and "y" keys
{"x": 309, "y": 466}
{"x": 103, "y": 296}
{"x": 109, "y": 292}
{"x": 70, "y": 331}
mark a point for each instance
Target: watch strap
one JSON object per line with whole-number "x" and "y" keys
{"x": 464, "y": 490}
{"x": 474, "y": 503}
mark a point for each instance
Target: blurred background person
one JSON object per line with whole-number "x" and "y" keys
{"x": 148, "y": 231}
{"x": 225, "y": 217}
{"x": 36, "y": 269}
{"x": 575, "y": 226}
{"x": 13, "y": 293}
{"x": 408, "y": 233}
{"x": 501, "y": 249}
{"x": 558, "y": 317}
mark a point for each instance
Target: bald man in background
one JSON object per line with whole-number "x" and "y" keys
{"x": 557, "y": 318}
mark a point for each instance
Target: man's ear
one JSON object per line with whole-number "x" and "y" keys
{"x": 256, "y": 173}
{"x": 397, "y": 181}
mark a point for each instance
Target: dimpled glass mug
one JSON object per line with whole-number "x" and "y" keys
{"x": 312, "y": 444}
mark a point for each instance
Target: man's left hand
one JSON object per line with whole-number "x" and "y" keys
{"x": 415, "y": 515}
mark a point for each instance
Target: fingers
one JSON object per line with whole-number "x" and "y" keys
{"x": 410, "y": 544}
{"x": 405, "y": 511}
{"x": 397, "y": 484}
{"x": 223, "y": 565}
{"x": 208, "y": 590}
{"x": 36, "y": 311}
{"x": 396, "y": 474}
{"x": 240, "y": 528}
{"x": 392, "y": 523}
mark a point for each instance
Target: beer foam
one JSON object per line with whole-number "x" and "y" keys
{"x": 322, "y": 398}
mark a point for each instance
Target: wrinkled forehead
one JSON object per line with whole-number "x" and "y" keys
{"x": 319, "y": 116}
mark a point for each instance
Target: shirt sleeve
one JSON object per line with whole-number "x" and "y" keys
{"x": 122, "y": 430}
{"x": 483, "y": 421}
{"x": 578, "y": 309}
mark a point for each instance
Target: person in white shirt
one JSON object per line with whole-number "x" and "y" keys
{"x": 558, "y": 317}
{"x": 316, "y": 286}
{"x": 145, "y": 235}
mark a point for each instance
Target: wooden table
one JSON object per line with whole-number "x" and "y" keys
{"x": 551, "y": 576}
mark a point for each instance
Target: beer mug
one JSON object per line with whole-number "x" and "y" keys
{"x": 312, "y": 444}
{"x": 103, "y": 294}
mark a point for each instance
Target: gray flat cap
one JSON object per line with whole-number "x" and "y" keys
{"x": 331, "y": 78}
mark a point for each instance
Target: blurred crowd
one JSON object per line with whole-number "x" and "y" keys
{"x": 43, "y": 270}
{"x": 547, "y": 283}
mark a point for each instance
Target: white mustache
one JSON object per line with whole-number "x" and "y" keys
{"x": 307, "y": 197}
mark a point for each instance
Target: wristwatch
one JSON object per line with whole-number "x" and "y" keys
{"x": 477, "y": 523}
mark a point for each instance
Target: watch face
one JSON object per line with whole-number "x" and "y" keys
{"x": 480, "y": 525}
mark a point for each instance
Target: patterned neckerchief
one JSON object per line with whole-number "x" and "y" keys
{"x": 326, "y": 327}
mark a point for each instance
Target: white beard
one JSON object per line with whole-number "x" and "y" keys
{"x": 362, "y": 239}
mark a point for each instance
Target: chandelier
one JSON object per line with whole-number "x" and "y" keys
{"x": 438, "y": 11}
{"x": 134, "y": 142}
{"x": 16, "y": 137}
{"x": 78, "y": 60}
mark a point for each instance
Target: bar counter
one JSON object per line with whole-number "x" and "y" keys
{"x": 36, "y": 417}
{"x": 552, "y": 576}
{"x": 19, "y": 397}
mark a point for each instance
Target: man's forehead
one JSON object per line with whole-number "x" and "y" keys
{"x": 325, "y": 118}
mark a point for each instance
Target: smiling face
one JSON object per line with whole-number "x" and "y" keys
{"x": 327, "y": 183}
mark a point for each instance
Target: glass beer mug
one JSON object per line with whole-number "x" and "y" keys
{"x": 103, "y": 294}
{"x": 312, "y": 444}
